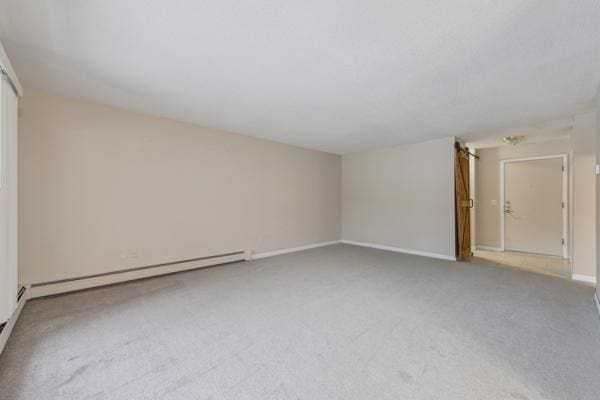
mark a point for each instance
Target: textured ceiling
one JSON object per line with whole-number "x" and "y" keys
{"x": 335, "y": 75}
{"x": 560, "y": 129}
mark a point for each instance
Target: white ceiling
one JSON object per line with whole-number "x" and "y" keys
{"x": 335, "y": 75}
{"x": 560, "y": 129}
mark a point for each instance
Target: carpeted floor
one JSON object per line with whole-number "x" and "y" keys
{"x": 339, "y": 322}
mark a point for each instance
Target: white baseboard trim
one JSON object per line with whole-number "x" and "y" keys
{"x": 400, "y": 250}
{"x": 51, "y": 288}
{"x": 583, "y": 278}
{"x": 293, "y": 249}
{"x": 597, "y": 302}
{"x": 488, "y": 248}
{"x": 10, "y": 324}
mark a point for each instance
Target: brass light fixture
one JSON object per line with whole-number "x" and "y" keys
{"x": 514, "y": 140}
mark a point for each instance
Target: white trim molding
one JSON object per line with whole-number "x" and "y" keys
{"x": 293, "y": 249}
{"x": 584, "y": 278}
{"x": 565, "y": 197}
{"x": 10, "y": 324}
{"x": 488, "y": 248}
{"x": 401, "y": 250}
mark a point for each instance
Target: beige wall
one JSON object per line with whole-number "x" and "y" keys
{"x": 103, "y": 189}
{"x": 584, "y": 194}
{"x": 401, "y": 197}
{"x": 487, "y": 184}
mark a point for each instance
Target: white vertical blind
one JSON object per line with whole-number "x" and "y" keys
{"x": 8, "y": 201}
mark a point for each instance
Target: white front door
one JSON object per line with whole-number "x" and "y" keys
{"x": 533, "y": 206}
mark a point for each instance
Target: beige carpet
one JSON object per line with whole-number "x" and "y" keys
{"x": 339, "y": 322}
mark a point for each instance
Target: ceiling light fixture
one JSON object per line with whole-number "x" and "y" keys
{"x": 514, "y": 140}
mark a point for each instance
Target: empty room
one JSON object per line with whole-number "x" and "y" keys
{"x": 299, "y": 200}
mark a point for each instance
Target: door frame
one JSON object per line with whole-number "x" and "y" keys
{"x": 565, "y": 197}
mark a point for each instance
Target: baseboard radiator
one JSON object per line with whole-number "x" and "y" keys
{"x": 107, "y": 278}
{"x": 7, "y": 327}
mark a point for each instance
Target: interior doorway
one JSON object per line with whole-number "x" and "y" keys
{"x": 521, "y": 214}
{"x": 534, "y": 205}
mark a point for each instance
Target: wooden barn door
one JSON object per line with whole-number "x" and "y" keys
{"x": 463, "y": 204}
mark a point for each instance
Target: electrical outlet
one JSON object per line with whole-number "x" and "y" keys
{"x": 133, "y": 254}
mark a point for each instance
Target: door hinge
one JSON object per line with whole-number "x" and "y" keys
{"x": 563, "y": 204}
{"x": 562, "y": 168}
{"x": 562, "y": 241}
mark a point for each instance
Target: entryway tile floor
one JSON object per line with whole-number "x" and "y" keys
{"x": 548, "y": 265}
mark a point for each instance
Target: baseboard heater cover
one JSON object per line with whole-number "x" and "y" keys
{"x": 20, "y": 294}
{"x": 106, "y": 278}
{"x": 7, "y": 327}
